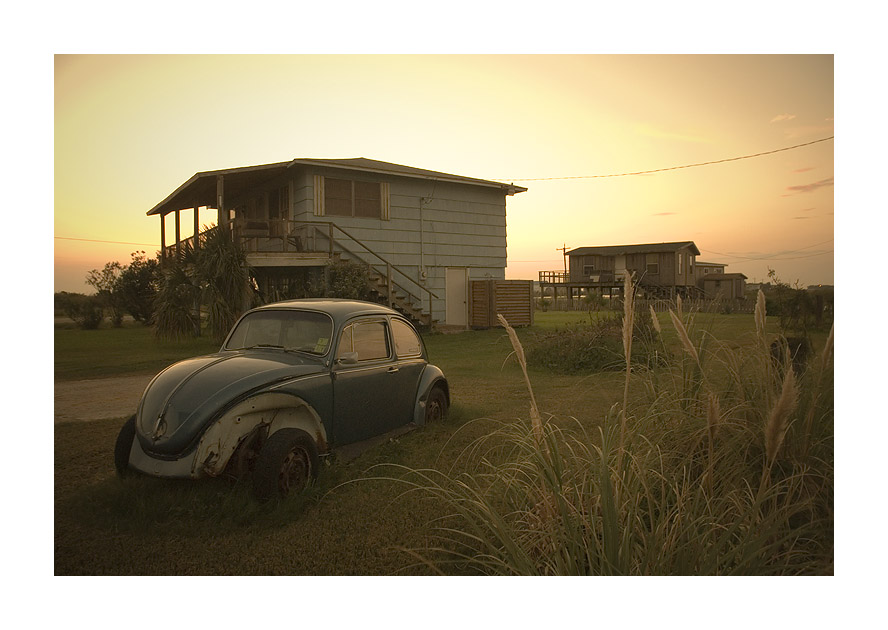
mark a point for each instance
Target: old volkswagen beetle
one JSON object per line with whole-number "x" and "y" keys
{"x": 291, "y": 381}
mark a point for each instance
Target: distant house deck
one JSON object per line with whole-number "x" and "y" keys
{"x": 660, "y": 270}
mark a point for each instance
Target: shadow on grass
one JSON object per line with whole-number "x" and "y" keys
{"x": 144, "y": 505}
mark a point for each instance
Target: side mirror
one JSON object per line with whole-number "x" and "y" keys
{"x": 347, "y": 358}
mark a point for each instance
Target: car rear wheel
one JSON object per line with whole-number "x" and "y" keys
{"x": 286, "y": 464}
{"x": 436, "y": 406}
{"x": 123, "y": 446}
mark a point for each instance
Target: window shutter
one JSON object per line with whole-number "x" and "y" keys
{"x": 319, "y": 195}
{"x": 384, "y": 191}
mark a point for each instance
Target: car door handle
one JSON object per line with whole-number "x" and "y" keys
{"x": 392, "y": 370}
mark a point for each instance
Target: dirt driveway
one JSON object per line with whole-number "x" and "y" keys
{"x": 98, "y": 399}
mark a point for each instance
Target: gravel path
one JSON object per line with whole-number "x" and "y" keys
{"x": 98, "y": 399}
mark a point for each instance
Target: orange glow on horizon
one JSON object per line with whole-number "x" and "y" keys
{"x": 131, "y": 129}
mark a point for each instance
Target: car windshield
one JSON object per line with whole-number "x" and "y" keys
{"x": 303, "y": 331}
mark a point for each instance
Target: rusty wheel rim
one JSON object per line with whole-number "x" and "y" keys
{"x": 295, "y": 470}
{"x": 435, "y": 410}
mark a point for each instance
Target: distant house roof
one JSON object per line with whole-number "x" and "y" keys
{"x": 700, "y": 263}
{"x": 723, "y": 276}
{"x": 200, "y": 190}
{"x": 649, "y": 248}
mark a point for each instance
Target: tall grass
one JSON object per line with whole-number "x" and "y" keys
{"x": 733, "y": 475}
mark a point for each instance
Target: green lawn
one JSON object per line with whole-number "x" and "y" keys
{"x": 350, "y": 523}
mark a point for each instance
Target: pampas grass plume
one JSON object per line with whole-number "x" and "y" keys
{"x": 683, "y": 335}
{"x": 655, "y": 321}
{"x": 760, "y": 314}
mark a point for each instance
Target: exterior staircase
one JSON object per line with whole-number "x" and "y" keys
{"x": 398, "y": 299}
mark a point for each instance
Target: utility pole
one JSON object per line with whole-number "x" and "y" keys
{"x": 563, "y": 251}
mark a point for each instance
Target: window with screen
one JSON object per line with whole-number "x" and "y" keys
{"x": 348, "y": 198}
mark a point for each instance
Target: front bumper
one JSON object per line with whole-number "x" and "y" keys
{"x": 183, "y": 468}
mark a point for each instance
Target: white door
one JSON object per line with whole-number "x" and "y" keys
{"x": 620, "y": 267}
{"x": 456, "y": 296}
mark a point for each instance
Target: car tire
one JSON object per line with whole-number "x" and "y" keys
{"x": 123, "y": 446}
{"x": 287, "y": 463}
{"x": 436, "y": 406}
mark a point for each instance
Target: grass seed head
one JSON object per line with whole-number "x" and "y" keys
{"x": 655, "y": 321}
{"x": 760, "y": 314}
{"x": 683, "y": 336}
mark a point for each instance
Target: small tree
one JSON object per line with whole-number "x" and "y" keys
{"x": 105, "y": 282}
{"x": 137, "y": 286}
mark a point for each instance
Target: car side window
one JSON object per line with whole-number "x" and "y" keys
{"x": 407, "y": 343}
{"x": 368, "y": 339}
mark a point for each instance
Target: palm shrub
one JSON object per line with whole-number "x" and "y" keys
{"x": 215, "y": 276}
{"x": 225, "y": 280}
{"x": 733, "y": 475}
{"x": 175, "y": 315}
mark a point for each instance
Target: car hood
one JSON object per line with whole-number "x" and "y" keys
{"x": 181, "y": 401}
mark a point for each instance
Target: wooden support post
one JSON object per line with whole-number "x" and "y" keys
{"x": 163, "y": 252}
{"x": 196, "y": 229}
{"x": 331, "y": 238}
{"x": 223, "y": 218}
{"x": 178, "y": 236}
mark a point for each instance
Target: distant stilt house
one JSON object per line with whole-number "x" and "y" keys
{"x": 724, "y": 286}
{"x": 660, "y": 270}
{"x": 422, "y": 235}
{"x": 703, "y": 269}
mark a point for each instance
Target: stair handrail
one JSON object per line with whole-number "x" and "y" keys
{"x": 331, "y": 226}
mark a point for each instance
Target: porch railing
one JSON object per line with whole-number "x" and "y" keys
{"x": 325, "y": 238}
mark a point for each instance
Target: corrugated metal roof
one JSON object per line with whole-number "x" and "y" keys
{"x": 646, "y": 248}
{"x": 200, "y": 189}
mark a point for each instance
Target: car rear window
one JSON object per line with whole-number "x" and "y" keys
{"x": 304, "y": 331}
{"x": 407, "y": 343}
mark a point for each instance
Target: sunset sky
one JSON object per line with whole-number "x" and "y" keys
{"x": 130, "y": 129}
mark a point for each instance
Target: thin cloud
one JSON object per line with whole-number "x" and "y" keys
{"x": 803, "y": 170}
{"x": 663, "y": 214}
{"x": 806, "y": 188}
{"x": 782, "y": 117}
{"x": 801, "y": 218}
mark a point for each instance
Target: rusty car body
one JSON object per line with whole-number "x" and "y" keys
{"x": 292, "y": 381}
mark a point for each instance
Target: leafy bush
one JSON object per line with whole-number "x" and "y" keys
{"x": 593, "y": 347}
{"x": 348, "y": 280}
{"x": 86, "y": 310}
{"x": 797, "y": 309}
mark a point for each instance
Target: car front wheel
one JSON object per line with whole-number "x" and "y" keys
{"x": 123, "y": 446}
{"x": 286, "y": 464}
{"x": 436, "y": 406}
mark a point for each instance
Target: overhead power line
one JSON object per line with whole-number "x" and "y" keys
{"x": 670, "y": 168}
{"x": 777, "y": 256}
{"x": 93, "y": 240}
